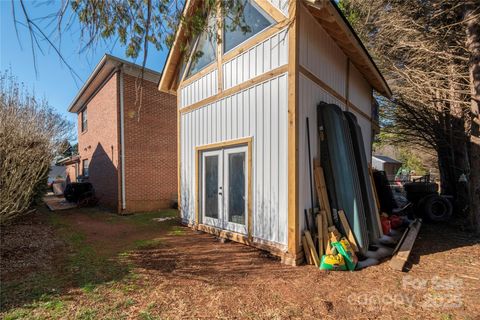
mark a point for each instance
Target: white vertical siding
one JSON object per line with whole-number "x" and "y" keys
{"x": 265, "y": 56}
{"x": 360, "y": 94}
{"x": 360, "y": 91}
{"x": 366, "y": 127}
{"x": 281, "y": 5}
{"x": 320, "y": 54}
{"x": 260, "y": 112}
{"x": 199, "y": 89}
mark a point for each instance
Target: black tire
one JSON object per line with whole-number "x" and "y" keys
{"x": 437, "y": 208}
{"x": 420, "y": 187}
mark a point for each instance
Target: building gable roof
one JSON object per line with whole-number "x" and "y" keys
{"x": 326, "y": 13}
{"x": 102, "y": 72}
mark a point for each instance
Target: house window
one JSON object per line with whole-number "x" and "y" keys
{"x": 254, "y": 21}
{"x": 85, "y": 164}
{"x": 84, "y": 120}
{"x": 205, "y": 51}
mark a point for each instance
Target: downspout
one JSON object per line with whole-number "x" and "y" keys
{"x": 122, "y": 141}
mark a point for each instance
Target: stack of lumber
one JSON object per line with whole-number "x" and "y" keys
{"x": 317, "y": 241}
{"x": 319, "y": 244}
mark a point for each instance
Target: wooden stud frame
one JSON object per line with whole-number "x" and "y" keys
{"x": 220, "y": 145}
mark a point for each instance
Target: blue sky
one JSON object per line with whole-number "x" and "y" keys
{"x": 53, "y": 79}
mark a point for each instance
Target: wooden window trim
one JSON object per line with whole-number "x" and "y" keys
{"x": 282, "y": 22}
{"x": 251, "y": 42}
{"x": 211, "y": 67}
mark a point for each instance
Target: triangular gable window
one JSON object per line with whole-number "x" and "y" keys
{"x": 254, "y": 17}
{"x": 205, "y": 51}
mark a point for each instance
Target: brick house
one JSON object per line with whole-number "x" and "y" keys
{"x": 127, "y": 137}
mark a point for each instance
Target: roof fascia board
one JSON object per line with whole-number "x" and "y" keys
{"x": 108, "y": 64}
{"x": 352, "y": 37}
{"x": 169, "y": 71}
{"x": 95, "y": 72}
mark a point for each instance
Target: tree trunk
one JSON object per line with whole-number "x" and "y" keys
{"x": 447, "y": 174}
{"x": 459, "y": 141}
{"x": 472, "y": 24}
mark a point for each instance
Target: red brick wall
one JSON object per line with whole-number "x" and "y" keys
{"x": 151, "y": 147}
{"x": 99, "y": 144}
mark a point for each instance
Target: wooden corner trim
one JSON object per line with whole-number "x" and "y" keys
{"x": 293, "y": 62}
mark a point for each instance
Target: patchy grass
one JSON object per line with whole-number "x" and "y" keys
{"x": 84, "y": 264}
{"x": 147, "y": 218}
{"x": 177, "y": 231}
{"x": 148, "y": 243}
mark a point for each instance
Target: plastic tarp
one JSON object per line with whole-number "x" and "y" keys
{"x": 338, "y": 160}
{"x": 364, "y": 177}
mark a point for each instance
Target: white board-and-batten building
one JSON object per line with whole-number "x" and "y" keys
{"x": 242, "y": 142}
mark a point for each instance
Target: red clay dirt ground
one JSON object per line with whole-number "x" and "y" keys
{"x": 91, "y": 264}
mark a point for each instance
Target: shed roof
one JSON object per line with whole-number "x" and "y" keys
{"x": 332, "y": 20}
{"x": 107, "y": 65}
{"x": 68, "y": 160}
{"x": 386, "y": 159}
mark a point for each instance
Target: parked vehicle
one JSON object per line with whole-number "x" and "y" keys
{"x": 427, "y": 201}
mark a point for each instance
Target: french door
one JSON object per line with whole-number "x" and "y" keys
{"x": 224, "y": 188}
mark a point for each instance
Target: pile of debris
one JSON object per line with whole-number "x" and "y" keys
{"x": 348, "y": 230}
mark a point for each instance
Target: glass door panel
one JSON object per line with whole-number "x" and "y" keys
{"x": 235, "y": 186}
{"x": 212, "y": 185}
